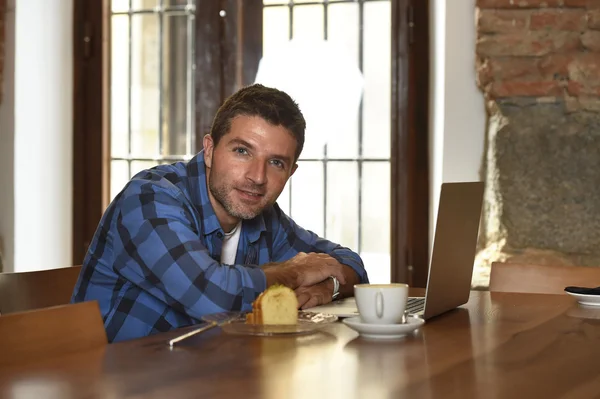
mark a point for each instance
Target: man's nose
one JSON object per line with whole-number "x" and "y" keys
{"x": 257, "y": 172}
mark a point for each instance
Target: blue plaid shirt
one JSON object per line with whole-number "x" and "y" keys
{"x": 154, "y": 262}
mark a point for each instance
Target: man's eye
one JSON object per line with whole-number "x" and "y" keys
{"x": 241, "y": 151}
{"x": 277, "y": 163}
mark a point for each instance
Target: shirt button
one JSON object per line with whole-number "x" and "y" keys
{"x": 220, "y": 235}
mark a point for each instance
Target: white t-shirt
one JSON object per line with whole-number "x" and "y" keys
{"x": 230, "y": 245}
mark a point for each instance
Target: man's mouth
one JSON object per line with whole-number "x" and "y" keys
{"x": 254, "y": 194}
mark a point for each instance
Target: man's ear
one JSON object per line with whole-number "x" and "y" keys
{"x": 208, "y": 143}
{"x": 294, "y": 169}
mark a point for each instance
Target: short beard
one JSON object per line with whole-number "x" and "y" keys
{"x": 220, "y": 193}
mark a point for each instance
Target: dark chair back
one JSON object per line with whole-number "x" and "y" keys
{"x": 39, "y": 289}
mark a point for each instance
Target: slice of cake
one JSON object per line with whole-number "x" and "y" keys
{"x": 277, "y": 305}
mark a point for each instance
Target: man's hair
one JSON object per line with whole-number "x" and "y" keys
{"x": 272, "y": 105}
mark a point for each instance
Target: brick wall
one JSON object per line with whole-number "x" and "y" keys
{"x": 540, "y": 48}
{"x": 538, "y": 66}
{"x": 2, "y": 11}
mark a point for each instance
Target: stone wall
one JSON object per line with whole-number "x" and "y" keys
{"x": 539, "y": 70}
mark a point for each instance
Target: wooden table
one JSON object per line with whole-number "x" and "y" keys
{"x": 496, "y": 346}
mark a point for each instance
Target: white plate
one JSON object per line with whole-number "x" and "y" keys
{"x": 383, "y": 331}
{"x": 235, "y": 323}
{"x": 586, "y": 300}
{"x": 345, "y": 307}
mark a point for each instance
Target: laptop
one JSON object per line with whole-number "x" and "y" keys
{"x": 452, "y": 258}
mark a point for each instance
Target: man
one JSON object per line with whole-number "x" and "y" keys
{"x": 189, "y": 239}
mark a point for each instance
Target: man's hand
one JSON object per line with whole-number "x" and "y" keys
{"x": 304, "y": 270}
{"x": 318, "y": 294}
{"x": 321, "y": 293}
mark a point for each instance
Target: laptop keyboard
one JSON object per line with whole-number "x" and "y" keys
{"x": 415, "y": 305}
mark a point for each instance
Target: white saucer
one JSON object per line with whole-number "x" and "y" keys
{"x": 586, "y": 300}
{"x": 383, "y": 331}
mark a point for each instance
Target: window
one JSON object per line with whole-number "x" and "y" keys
{"x": 151, "y": 103}
{"x": 171, "y": 64}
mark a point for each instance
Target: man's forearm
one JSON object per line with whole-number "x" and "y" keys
{"x": 304, "y": 270}
{"x": 321, "y": 293}
{"x": 275, "y": 275}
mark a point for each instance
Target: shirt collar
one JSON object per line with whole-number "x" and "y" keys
{"x": 196, "y": 171}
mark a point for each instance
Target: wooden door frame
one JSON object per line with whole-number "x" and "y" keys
{"x": 90, "y": 145}
{"x": 239, "y": 48}
{"x": 410, "y": 142}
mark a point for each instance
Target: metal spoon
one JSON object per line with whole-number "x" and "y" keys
{"x": 192, "y": 333}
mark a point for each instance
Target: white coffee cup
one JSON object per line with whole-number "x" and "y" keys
{"x": 381, "y": 303}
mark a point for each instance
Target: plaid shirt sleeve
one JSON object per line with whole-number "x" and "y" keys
{"x": 289, "y": 239}
{"x": 162, "y": 254}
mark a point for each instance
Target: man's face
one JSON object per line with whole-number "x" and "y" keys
{"x": 249, "y": 167}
